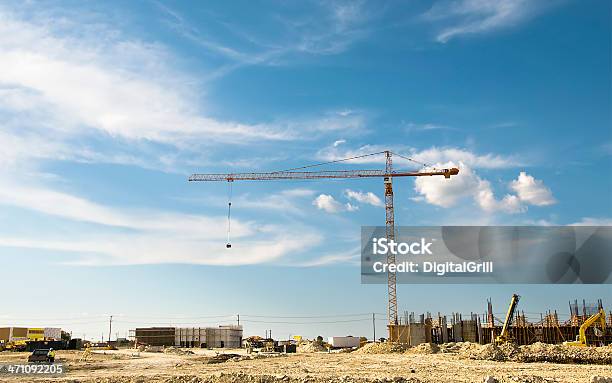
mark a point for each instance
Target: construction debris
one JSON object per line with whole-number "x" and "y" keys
{"x": 382, "y": 348}
{"x": 178, "y": 351}
{"x": 539, "y": 352}
{"x": 424, "y": 348}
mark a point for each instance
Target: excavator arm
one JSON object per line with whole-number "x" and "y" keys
{"x": 581, "y": 339}
{"x": 504, "y": 336}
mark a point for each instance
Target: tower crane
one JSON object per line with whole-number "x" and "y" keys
{"x": 387, "y": 175}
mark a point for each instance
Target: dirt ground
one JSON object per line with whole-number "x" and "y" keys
{"x": 132, "y": 366}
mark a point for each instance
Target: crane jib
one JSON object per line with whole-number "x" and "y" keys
{"x": 316, "y": 175}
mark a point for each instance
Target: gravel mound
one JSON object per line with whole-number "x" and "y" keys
{"x": 239, "y": 377}
{"x": 540, "y": 352}
{"x": 461, "y": 348}
{"x": 424, "y": 348}
{"x": 177, "y": 351}
{"x": 555, "y": 353}
{"x": 382, "y": 348}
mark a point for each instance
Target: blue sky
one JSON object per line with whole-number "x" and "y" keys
{"x": 105, "y": 109}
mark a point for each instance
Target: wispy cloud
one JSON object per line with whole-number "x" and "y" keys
{"x": 351, "y": 257}
{"x": 335, "y": 26}
{"x": 154, "y": 236}
{"x": 463, "y": 17}
{"x": 368, "y": 198}
{"x": 593, "y": 221}
{"x": 412, "y": 126}
{"x": 72, "y": 96}
{"x": 428, "y": 156}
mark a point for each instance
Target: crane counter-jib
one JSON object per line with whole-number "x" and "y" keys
{"x": 316, "y": 175}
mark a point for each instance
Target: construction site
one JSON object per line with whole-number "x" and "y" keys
{"x": 315, "y": 191}
{"x": 419, "y": 348}
{"x": 455, "y": 347}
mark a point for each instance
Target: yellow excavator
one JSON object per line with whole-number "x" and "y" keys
{"x": 505, "y": 333}
{"x": 581, "y": 339}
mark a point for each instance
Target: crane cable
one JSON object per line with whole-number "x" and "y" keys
{"x": 415, "y": 161}
{"x": 229, "y": 213}
{"x": 357, "y": 157}
{"x": 330, "y": 162}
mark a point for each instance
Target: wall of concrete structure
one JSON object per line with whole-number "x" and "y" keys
{"x": 215, "y": 337}
{"x": 412, "y": 334}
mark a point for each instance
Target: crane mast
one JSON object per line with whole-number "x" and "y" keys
{"x": 390, "y": 234}
{"x": 388, "y": 174}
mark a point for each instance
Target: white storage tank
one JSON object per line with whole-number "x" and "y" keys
{"x": 343, "y": 341}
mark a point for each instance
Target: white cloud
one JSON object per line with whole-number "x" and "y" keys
{"x": 124, "y": 95}
{"x": 532, "y": 191}
{"x": 429, "y": 156}
{"x": 351, "y": 257}
{"x": 591, "y": 221}
{"x": 444, "y": 192}
{"x": 484, "y": 161}
{"x": 78, "y": 209}
{"x": 286, "y": 201}
{"x": 485, "y": 198}
{"x": 63, "y": 89}
{"x": 148, "y": 248}
{"x": 154, "y": 236}
{"x": 332, "y": 30}
{"x": 467, "y": 184}
{"x": 367, "y": 198}
{"x": 478, "y": 16}
{"x": 411, "y": 126}
{"x": 338, "y": 143}
{"x": 329, "y": 204}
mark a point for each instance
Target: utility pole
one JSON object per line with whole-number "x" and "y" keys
{"x": 374, "y": 326}
{"x": 238, "y": 315}
{"x": 110, "y": 328}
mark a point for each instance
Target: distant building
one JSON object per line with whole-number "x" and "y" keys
{"x": 155, "y": 336}
{"x": 215, "y": 337}
{"x": 12, "y": 334}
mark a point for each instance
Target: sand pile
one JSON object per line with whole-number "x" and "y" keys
{"x": 424, "y": 348}
{"x": 462, "y": 348}
{"x": 382, "y": 348}
{"x": 311, "y": 347}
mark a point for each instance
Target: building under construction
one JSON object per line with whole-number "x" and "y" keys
{"x": 218, "y": 337}
{"x": 484, "y": 328}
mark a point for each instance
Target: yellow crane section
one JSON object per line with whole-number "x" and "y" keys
{"x": 505, "y": 334}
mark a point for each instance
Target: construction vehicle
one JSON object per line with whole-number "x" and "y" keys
{"x": 505, "y": 337}
{"x": 388, "y": 174}
{"x": 581, "y": 339}
{"x": 42, "y": 355}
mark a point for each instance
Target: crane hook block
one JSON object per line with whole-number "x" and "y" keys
{"x": 229, "y": 245}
